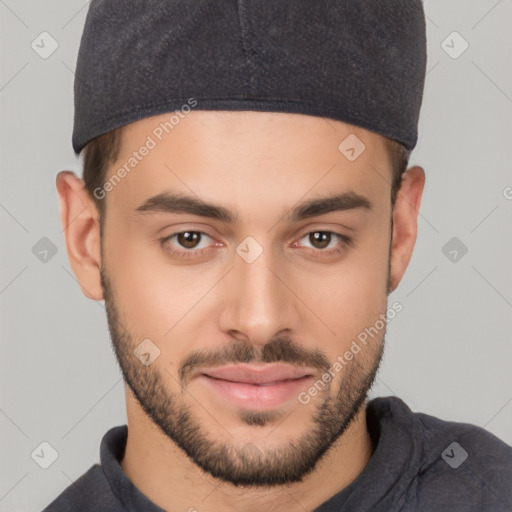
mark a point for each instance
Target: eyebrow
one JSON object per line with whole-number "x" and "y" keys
{"x": 183, "y": 204}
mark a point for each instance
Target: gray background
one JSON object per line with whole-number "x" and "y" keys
{"x": 448, "y": 352}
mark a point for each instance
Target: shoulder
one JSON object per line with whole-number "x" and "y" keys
{"x": 461, "y": 457}
{"x": 90, "y": 492}
{"x": 461, "y": 465}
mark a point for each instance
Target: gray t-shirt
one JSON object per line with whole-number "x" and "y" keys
{"x": 421, "y": 463}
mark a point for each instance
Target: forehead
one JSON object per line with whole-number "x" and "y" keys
{"x": 243, "y": 158}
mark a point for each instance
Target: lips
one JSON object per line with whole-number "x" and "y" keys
{"x": 256, "y": 387}
{"x": 258, "y": 375}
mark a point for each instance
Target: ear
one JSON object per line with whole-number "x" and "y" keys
{"x": 80, "y": 222}
{"x": 405, "y": 223}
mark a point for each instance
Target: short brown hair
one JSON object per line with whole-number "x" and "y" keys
{"x": 104, "y": 150}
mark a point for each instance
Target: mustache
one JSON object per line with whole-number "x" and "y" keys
{"x": 281, "y": 350}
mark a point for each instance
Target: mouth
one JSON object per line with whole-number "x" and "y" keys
{"x": 257, "y": 387}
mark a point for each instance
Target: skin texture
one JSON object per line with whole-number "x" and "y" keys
{"x": 295, "y": 303}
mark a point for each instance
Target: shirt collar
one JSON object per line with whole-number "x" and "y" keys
{"x": 112, "y": 450}
{"x": 380, "y": 487}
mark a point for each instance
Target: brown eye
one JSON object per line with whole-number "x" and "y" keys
{"x": 186, "y": 243}
{"x": 320, "y": 239}
{"x": 326, "y": 243}
{"x": 188, "y": 239}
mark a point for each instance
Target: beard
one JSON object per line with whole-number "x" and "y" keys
{"x": 244, "y": 464}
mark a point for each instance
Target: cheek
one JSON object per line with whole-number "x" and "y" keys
{"x": 156, "y": 301}
{"x": 352, "y": 295}
{"x": 152, "y": 294}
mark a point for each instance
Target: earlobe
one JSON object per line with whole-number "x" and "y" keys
{"x": 80, "y": 224}
{"x": 405, "y": 223}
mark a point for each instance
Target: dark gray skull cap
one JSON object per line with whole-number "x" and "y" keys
{"x": 362, "y": 62}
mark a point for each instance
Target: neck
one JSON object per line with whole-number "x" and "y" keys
{"x": 165, "y": 475}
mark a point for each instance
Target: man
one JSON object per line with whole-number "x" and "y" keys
{"x": 244, "y": 213}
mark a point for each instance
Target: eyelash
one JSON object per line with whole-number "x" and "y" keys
{"x": 199, "y": 252}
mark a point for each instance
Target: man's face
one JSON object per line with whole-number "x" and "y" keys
{"x": 249, "y": 314}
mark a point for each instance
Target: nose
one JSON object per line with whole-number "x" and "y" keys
{"x": 259, "y": 302}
